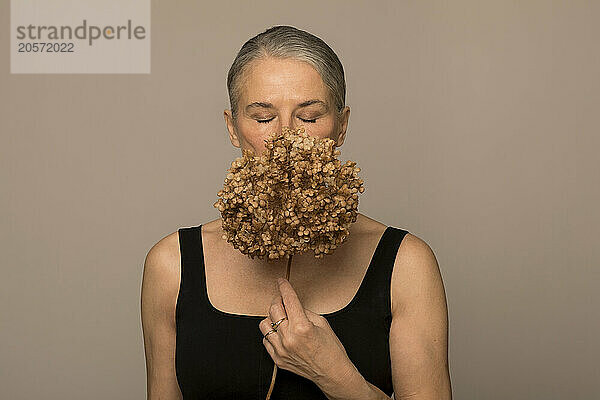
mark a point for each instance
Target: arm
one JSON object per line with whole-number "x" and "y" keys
{"x": 419, "y": 330}
{"x": 160, "y": 286}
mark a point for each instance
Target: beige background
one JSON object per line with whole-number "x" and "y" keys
{"x": 475, "y": 125}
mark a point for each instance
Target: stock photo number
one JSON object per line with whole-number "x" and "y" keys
{"x": 41, "y": 47}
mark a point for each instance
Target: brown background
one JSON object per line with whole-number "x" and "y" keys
{"x": 475, "y": 125}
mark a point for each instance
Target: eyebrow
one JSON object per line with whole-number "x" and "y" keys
{"x": 262, "y": 104}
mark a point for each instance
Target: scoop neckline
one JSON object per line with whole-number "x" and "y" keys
{"x": 342, "y": 310}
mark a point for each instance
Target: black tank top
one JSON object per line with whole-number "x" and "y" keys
{"x": 221, "y": 355}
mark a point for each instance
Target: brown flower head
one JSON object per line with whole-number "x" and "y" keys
{"x": 295, "y": 197}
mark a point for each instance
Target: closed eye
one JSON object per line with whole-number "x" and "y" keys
{"x": 265, "y": 121}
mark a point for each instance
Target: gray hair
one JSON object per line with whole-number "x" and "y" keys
{"x": 284, "y": 41}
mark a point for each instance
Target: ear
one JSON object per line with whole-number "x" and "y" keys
{"x": 342, "y": 125}
{"x": 231, "y": 128}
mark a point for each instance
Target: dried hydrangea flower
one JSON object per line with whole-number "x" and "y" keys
{"x": 295, "y": 197}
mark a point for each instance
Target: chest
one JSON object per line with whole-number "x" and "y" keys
{"x": 236, "y": 284}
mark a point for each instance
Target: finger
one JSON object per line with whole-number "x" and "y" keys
{"x": 273, "y": 338}
{"x": 277, "y": 310}
{"x": 270, "y": 348}
{"x": 265, "y": 325}
{"x": 291, "y": 302}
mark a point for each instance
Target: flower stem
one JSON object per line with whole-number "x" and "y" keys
{"x": 287, "y": 276}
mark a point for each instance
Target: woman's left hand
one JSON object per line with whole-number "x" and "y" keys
{"x": 304, "y": 343}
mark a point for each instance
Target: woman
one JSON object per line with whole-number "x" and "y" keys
{"x": 366, "y": 322}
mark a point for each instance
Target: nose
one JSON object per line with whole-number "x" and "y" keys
{"x": 286, "y": 120}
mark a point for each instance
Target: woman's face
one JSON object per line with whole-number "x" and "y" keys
{"x": 283, "y": 92}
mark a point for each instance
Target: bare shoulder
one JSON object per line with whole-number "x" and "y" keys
{"x": 414, "y": 252}
{"x": 167, "y": 246}
{"x": 160, "y": 282}
{"x": 163, "y": 258}
{"x": 416, "y": 272}
{"x": 414, "y": 257}
{"x": 367, "y": 225}
{"x": 213, "y": 227}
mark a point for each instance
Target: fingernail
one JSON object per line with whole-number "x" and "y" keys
{"x": 280, "y": 280}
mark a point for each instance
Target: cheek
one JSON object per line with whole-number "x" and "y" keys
{"x": 324, "y": 128}
{"x": 254, "y": 135}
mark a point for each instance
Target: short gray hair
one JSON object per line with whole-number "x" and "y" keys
{"x": 283, "y": 41}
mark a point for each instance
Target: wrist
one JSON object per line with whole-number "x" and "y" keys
{"x": 346, "y": 383}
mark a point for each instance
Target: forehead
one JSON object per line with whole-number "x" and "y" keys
{"x": 273, "y": 80}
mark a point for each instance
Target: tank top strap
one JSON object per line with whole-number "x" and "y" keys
{"x": 190, "y": 247}
{"x": 375, "y": 296}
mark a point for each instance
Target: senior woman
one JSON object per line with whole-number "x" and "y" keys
{"x": 366, "y": 322}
